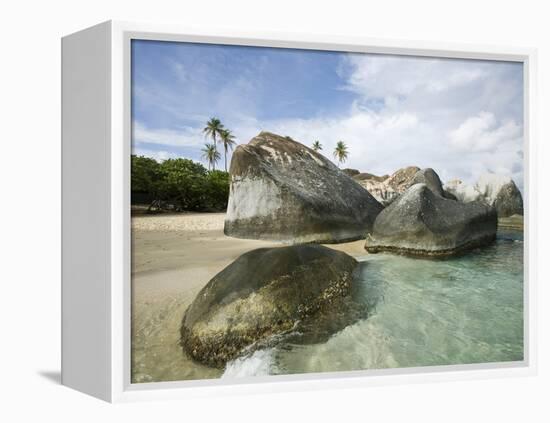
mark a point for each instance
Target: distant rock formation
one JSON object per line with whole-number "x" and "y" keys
{"x": 423, "y": 223}
{"x": 365, "y": 175}
{"x": 401, "y": 179}
{"x": 463, "y": 192}
{"x": 387, "y": 189}
{"x": 350, "y": 172}
{"x": 498, "y": 191}
{"x": 282, "y": 190}
{"x": 383, "y": 193}
{"x": 263, "y": 293}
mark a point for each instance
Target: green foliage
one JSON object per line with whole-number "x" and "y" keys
{"x": 228, "y": 141}
{"x": 217, "y": 190}
{"x": 341, "y": 152}
{"x": 211, "y": 155}
{"x": 317, "y": 146}
{"x": 179, "y": 184}
{"x": 213, "y": 129}
{"x": 145, "y": 177}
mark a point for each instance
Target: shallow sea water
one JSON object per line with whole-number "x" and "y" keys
{"x": 423, "y": 312}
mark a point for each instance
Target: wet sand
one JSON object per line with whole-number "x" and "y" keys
{"x": 173, "y": 257}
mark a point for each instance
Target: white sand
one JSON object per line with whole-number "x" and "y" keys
{"x": 179, "y": 222}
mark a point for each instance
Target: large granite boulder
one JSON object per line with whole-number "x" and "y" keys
{"x": 282, "y": 190}
{"x": 422, "y": 223}
{"x": 265, "y": 292}
{"x": 495, "y": 190}
{"x": 502, "y": 193}
{"x": 430, "y": 178}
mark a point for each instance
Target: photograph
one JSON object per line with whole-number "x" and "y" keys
{"x": 301, "y": 211}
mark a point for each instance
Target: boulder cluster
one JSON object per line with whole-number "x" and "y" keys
{"x": 498, "y": 191}
{"x": 281, "y": 190}
{"x": 387, "y": 188}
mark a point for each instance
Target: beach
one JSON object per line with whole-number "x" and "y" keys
{"x": 175, "y": 255}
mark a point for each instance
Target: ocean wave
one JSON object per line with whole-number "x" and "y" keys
{"x": 259, "y": 363}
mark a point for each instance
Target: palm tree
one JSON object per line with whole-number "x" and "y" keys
{"x": 212, "y": 129}
{"x": 228, "y": 141}
{"x": 317, "y": 146}
{"x": 341, "y": 152}
{"x": 211, "y": 155}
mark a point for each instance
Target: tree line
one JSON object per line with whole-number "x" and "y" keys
{"x": 178, "y": 185}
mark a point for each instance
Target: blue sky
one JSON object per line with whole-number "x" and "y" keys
{"x": 461, "y": 117}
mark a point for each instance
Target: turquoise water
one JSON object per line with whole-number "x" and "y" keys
{"x": 423, "y": 312}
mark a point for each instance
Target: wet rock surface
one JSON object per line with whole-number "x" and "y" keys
{"x": 268, "y": 292}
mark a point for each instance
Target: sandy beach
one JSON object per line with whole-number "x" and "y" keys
{"x": 173, "y": 257}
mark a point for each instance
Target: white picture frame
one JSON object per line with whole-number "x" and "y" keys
{"x": 96, "y": 138}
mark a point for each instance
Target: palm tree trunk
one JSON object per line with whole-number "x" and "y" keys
{"x": 225, "y": 154}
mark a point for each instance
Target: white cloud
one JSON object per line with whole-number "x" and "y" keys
{"x": 395, "y": 76}
{"x": 378, "y": 143}
{"x": 483, "y": 133}
{"x": 184, "y": 137}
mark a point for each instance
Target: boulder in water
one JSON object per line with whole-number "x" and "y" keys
{"x": 282, "y": 190}
{"x": 422, "y": 223}
{"x": 263, "y": 293}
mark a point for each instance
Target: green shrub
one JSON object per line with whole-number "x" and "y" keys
{"x": 179, "y": 184}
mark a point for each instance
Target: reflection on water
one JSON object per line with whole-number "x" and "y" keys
{"x": 467, "y": 309}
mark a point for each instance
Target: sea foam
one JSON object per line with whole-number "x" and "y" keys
{"x": 259, "y": 363}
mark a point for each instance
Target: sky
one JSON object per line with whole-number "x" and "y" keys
{"x": 462, "y": 118}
